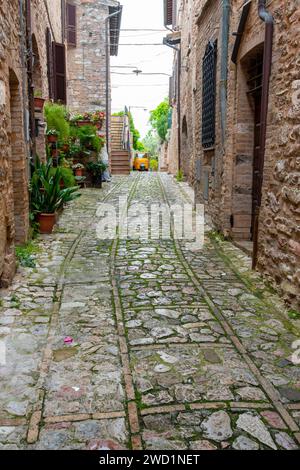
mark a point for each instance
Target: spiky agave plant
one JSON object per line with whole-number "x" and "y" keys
{"x": 46, "y": 194}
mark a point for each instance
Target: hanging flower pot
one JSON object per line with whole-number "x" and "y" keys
{"x": 46, "y": 222}
{"x": 79, "y": 172}
{"x": 83, "y": 123}
{"x": 39, "y": 103}
{"x": 65, "y": 148}
{"x": 78, "y": 169}
{"x": 52, "y": 136}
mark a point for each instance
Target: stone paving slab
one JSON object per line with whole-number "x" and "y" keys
{"x": 171, "y": 349}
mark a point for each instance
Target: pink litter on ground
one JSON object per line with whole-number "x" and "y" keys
{"x": 68, "y": 340}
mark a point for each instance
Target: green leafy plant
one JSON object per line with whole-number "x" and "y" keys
{"x": 153, "y": 164}
{"x": 38, "y": 93}
{"x": 77, "y": 117}
{"x": 179, "y": 176}
{"x": 294, "y": 315}
{"x": 25, "y": 255}
{"x": 46, "y": 195}
{"x": 78, "y": 166}
{"x": 57, "y": 118}
{"x": 88, "y": 138}
{"x": 52, "y": 132}
{"x": 96, "y": 168}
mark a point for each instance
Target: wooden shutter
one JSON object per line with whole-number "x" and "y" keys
{"x": 71, "y": 24}
{"x": 50, "y": 63}
{"x": 60, "y": 82}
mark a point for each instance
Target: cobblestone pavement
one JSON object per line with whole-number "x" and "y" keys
{"x": 173, "y": 349}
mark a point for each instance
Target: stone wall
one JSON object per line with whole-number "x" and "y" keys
{"x": 13, "y": 163}
{"x": 87, "y": 61}
{"x": 279, "y": 234}
{"x": 223, "y": 176}
{"x": 14, "y": 132}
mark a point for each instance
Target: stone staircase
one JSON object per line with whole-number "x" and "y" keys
{"x": 120, "y": 157}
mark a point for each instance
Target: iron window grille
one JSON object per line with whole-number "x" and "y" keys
{"x": 209, "y": 65}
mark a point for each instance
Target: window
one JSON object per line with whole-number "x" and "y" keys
{"x": 71, "y": 24}
{"x": 209, "y": 95}
{"x": 170, "y": 12}
{"x": 50, "y": 63}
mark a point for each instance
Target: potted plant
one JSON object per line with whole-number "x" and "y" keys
{"x": 65, "y": 146}
{"x": 81, "y": 119}
{"x": 46, "y": 203}
{"x": 78, "y": 169}
{"x": 56, "y": 117}
{"x": 54, "y": 152}
{"x": 52, "y": 136}
{"x": 96, "y": 170}
{"x": 38, "y": 100}
{"x": 97, "y": 119}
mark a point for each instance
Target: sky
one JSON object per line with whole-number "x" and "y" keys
{"x": 145, "y": 91}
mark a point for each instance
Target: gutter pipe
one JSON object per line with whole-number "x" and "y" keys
{"x": 178, "y": 50}
{"x": 268, "y": 19}
{"x": 224, "y": 67}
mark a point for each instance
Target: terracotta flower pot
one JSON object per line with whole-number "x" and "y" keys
{"x": 52, "y": 139}
{"x": 46, "y": 222}
{"x": 39, "y": 103}
{"x": 83, "y": 123}
{"x": 79, "y": 172}
{"x": 65, "y": 148}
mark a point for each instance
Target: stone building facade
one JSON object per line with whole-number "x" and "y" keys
{"x": 86, "y": 89}
{"x": 227, "y": 173}
{"x": 37, "y": 54}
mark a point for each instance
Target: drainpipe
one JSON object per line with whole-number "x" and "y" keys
{"x": 107, "y": 56}
{"x": 224, "y": 66}
{"x": 24, "y": 77}
{"x": 178, "y": 50}
{"x": 30, "y": 77}
{"x": 268, "y": 19}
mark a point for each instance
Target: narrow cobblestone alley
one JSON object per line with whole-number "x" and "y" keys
{"x": 172, "y": 348}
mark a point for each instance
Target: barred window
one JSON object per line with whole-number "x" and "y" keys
{"x": 209, "y": 95}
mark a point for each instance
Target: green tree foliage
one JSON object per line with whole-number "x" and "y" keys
{"x": 159, "y": 119}
{"x": 151, "y": 143}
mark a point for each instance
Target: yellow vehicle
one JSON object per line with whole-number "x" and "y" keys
{"x": 141, "y": 162}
